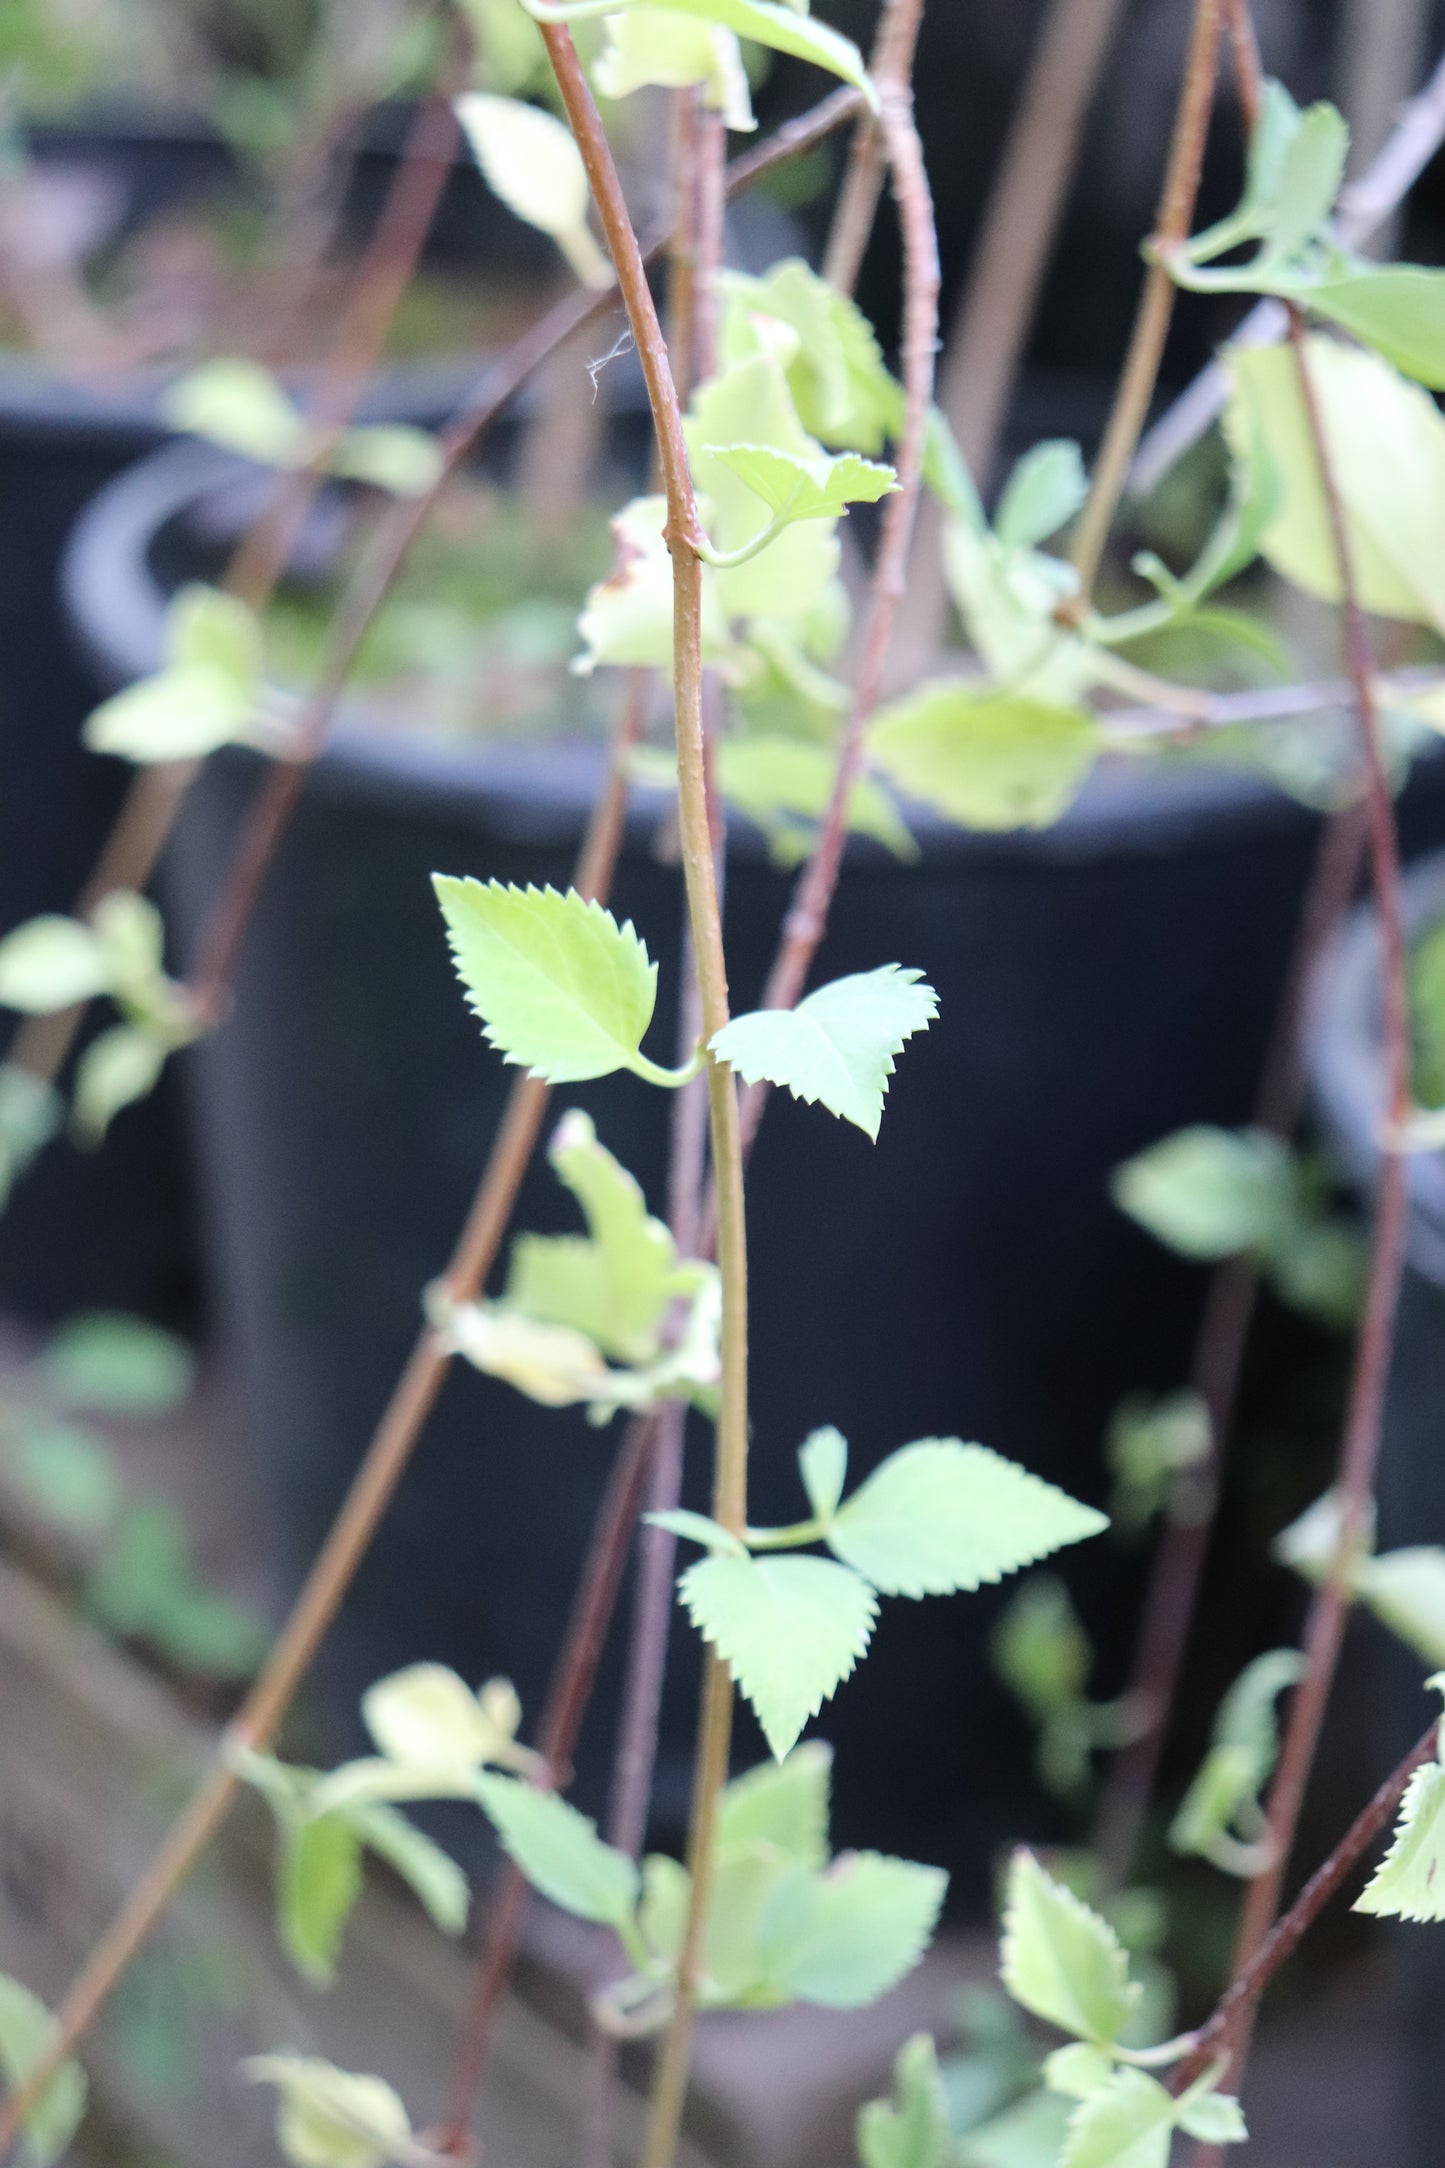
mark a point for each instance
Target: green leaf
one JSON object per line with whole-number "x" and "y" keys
{"x": 240, "y": 406}
{"x": 116, "y": 1364}
{"x": 330, "y": 2118}
{"x": 786, "y": 784}
{"x": 991, "y": 761}
{"x": 560, "y": 1852}
{"x": 145, "y": 1587}
{"x": 773, "y": 573}
{"x": 1045, "y": 490}
{"x": 26, "y": 2027}
{"x": 555, "y": 1365}
{"x": 1243, "y": 1752}
{"x": 1060, "y": 1960}
{"x": 1209, "y": 1193}
{"x": 1406, "y": 1591}
{"x": 1398, "y": 309}
{"x": 428, "y": 1717}
{"x": 31, "y": 1112}
{"x": 1213, "y": 2118}
{"x": 68, "y": 1474}
{"x": 767, "y": 22}
{"x": 1387, "y": 444}
{"x": 120, "y": 1067}
{"x": 1151, "y": 1444}
{"x": 790, "y": 1628}
{"x": 50, "y": 963}
{"x": 404, "y": 461}
{"x": 837, "y": 1046}
{"x": 910, "y": 2130}
{"x": 561, "y": 988}
{"x": 1029, "y": 2134}
{"x": 844, "y": 1937}
{"x": 618, "y": 1284}
{"x": 1078, "y": 2069}
{"x": 841, "y": 387}
{"x": 432, "y": 1874}
{"x": 1129, "y": 2123}
{"x": 181, "y": 714}
{"x": 318, "y": 1882}
{"x": 939, "y": 1515}
{"x": 207, "y": 629}
{"x": 821, "y": 487}
{"x": 781, "y": 1804}
{"x": 532, "y": 163}
{"x": 647, "y": 45}
{"x": 1040, "y": 1649}
{"x": 1309, "y": 178}
{"x": 1409, "y": 1883}
{"x": 698, "y": 1528}
{"x": 823, "y": 1462}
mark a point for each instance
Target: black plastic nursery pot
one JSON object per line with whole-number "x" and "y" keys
{"x": 1348, "y": 1076}
{"x": 1100, "y": 984}
{"x": 118, "y": 1228}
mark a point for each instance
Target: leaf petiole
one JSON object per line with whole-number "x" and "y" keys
{"x": 785, "y": 1539}
{"x": 671, "y": 1080}
{"x": 728, "y": 560}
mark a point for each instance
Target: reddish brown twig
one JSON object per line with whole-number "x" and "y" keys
{"x": 1241, "y": 1998}
{"x": 862, "y": 186}
{"x": 1156, "y": 306}
{"x": 1172, "y": 1596}
{"x": 1365, "y": 1415}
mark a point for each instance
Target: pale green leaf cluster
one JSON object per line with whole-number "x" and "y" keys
{"x": 1044, "y": 1657}
{"x": 1214, "y": 1193}
{"x": 241, "y": 406}
{"x": 567, "y": 993}
{"x": 1222, "y": 1817}
{"x": 983, "y": 758}
{"x": 934, "y": 1518}
{"x": 573, "y": 1301}
{"x": 210, "y": 691}
{"x": 435, "y": 1739}
{"x": 330, "y": 2118}
{"x": 1409, "y": 1883}
{"x": 1158, "y": 1452}
{"x": 1065, "y": 1964}
{"x": 785, "y": 1923}
{"x": 52, "y": 963}
{"x": 785, "y": 785}
{"x": 26, "y": 2027}
{"x": 784, "y": 26}
{"x": 656, "y": 45}
{"x": 1296, "y": 164}
{"x": 531, "y": 162}
{"x": 1387, "y": 448}
{"x": 1405, "y": 1588}
{"x": 836, "y": 1047}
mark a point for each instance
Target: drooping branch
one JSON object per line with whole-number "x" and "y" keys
{"x": 1240, "y": 1999}
{"x": 1364, "y": 1421}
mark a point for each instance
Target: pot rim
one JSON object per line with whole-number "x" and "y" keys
{"x": 116, "y": 607}
{"x": 1346, "y": 1069}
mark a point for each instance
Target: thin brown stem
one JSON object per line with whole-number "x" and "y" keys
{"x": 730, "y": 1466}
{"x": 1241, "y": 1998}
{"x": 361, "y": 1514}
{"x": 894, "y": 48}
{"x": 1364, "y": 1419}
{"x": 1172, "y": 1596}
{"x": 1020, "y": 223}
{"x": 1156, "y": 306}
